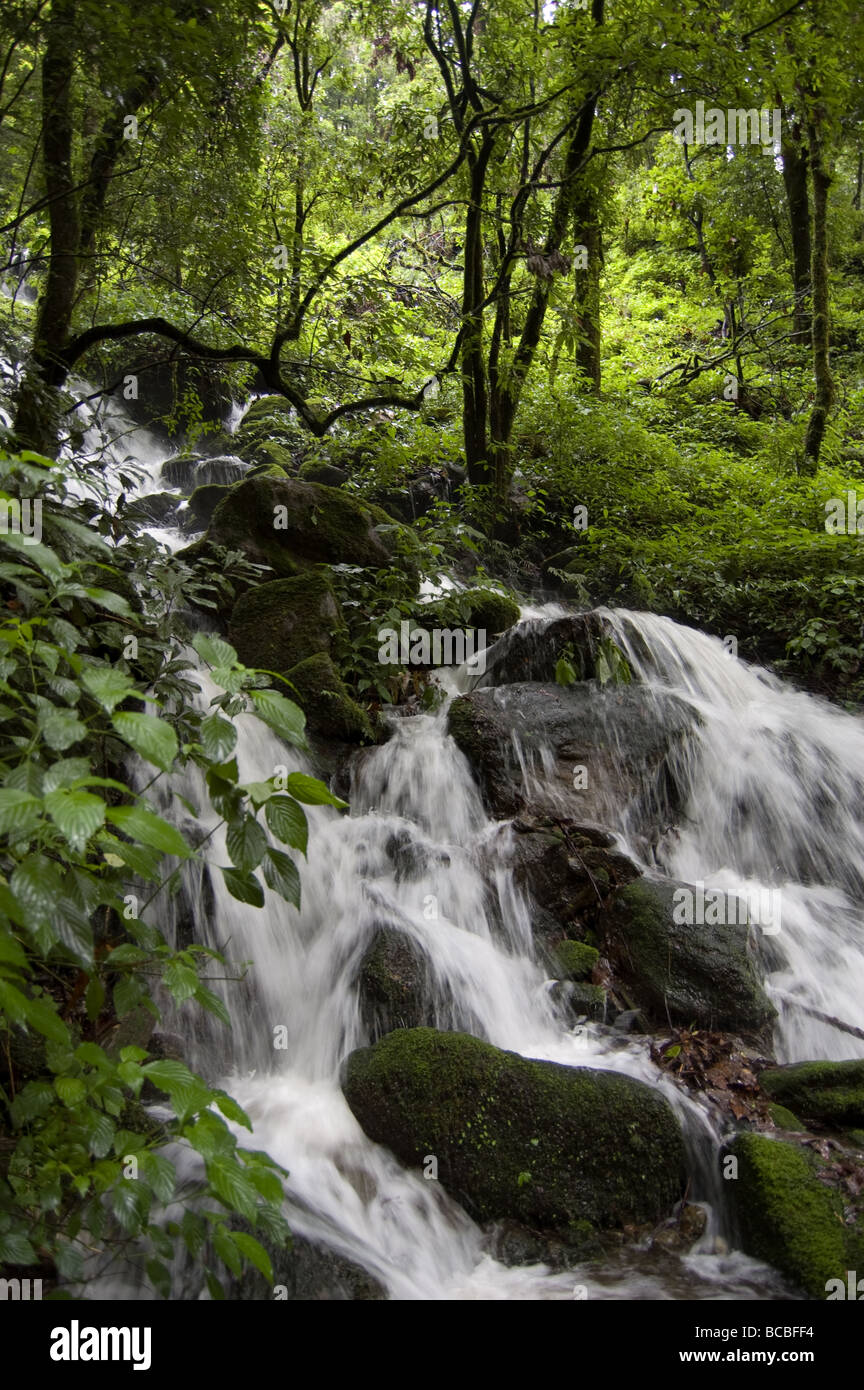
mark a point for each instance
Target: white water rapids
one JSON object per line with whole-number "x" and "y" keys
{"x": 775, "y": 780}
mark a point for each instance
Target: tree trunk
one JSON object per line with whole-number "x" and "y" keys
{"x": 587, "y": 233}
{"x": 820, "y": 335}
{"x": 474, "y": 381}
{"x": 795, "y": 161}
{"x": 36, "y": 420}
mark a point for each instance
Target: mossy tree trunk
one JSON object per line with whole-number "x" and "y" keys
{"x": 795, "y": 162}
{"x": 820, "y": 332}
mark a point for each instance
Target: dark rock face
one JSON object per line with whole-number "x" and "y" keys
{"x": 394, "y": 983}
{"x": 277, "y": 625}
{"x": 827, "y": 1093}
{"x": 552, "y": 1146}
{"x": 308, "y": 1273}
{"x": 289, "y": 524}
{"x": 703, "y": 975}
{"x": 569, "y": 870}
{"x": 532, "y": 651}
{"x": 188, "y": 471}
{"x": 526, "y": 744}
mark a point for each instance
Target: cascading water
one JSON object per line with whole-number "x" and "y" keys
{"x": 770, "y": 802}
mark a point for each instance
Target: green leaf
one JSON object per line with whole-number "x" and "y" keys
{"x": 232, "y": 1111}
{"x": 150, "y": 736}
{"x": 310, "y": 790}
{"x": 214, "y": 651}
{"x": 70, "y": 1089}
{"x": 139, "y": 823}
{"x": 38, "y": 886}
{"x": 94, "y": 998}
{"x": 287, "y": 819}
{"x": 77, "y": 815}
{"x": 107, "y": 685}
{"x": 284, "y": 717}
{"x": 181, "y": 980}
{"x": 106, "y": 598}
{"x": 254, "y": 1252}
{"x": 60, "y": 728}
{"x": 246, "y": 842}
{"x": 218, "y": 738}
{"x": 45, "y": 1019}
{"x": 244, "y": 887}
{"x": 15, "y": 1249}
{"x": 280, "y": 873}
{"x": 100, "y": 1133}
{"x": 64, "y": 772}
{"x": 233, "y": 1186}
{"x": 19, "y": 812}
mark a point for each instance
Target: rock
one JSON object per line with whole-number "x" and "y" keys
{"x": 787, "y": 1217}
{"x": 306, "y": 1272}
{"x": 290, "y": 525}
{"x": 575, "y": 960}
{"x": 326, "y": 473}
{"x": 319, "y": 691}
{"x": 782, "y": 1118}
{"x": 203, "y": 503}
{"x": 581, "y": 1000}
{"x": 829, "y": 1093}
{"x": 532, "y": 651}
{"x": 157, "y": 509}
{"x": 417, "y": 496}
{"x": 551, "y": 1146}
{"x": 569, "y": 870}
{"x": 682, "y": 1230}
{"x": 271, "y": 433}
{"x": 278, "y": 625}
{"x": 694, "y": 975}
{"x": 490, "y": 611}
{"x": 622, "y": 737}
{"x": 394, "y": 983}
{"x": 189, "y": 471}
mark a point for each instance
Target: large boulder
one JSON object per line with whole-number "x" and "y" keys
{"x": 532, "y": 651}
{"x": 702, "y": 975}
{"x": 555, "y": 1147}
{"x": 289, "y": 525}
{"x": 569, "y": 871}
{"x": 829, "y": 1093}
{"x": 277, "y": 625}
{"x": 527, "y": 743}
{"x": 789, "y": 1217}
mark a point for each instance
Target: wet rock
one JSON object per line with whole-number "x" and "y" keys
{"x": 788, "y": 1217}
{"x": 278, "y": 625}
{"x": 189, "y": 471}
{"x": 827, "y": 1093}
{"x": 320, "y": 692}
{"x": 702, "y": 976}
{"x": 682, "y": 1231}
{"x": 547, "y": 1145}
{"x": 532, "y": 651}
{"x": 417, "y": 496}
{"x": 289, "y": 525}
{"x": 569, "y": 870}
{"x": 202, "y": 504}
{"x": 157, "y": 509}
{"x": 582, "y": 751}
{"x": 580, "y": 1000}
{"x": 307, "y": 1273}
{"x": 575, "y": 960}
{"x": 326, "y": 473}
{"x": 394, "y": 983}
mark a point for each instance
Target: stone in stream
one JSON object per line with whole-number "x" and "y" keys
{"x": 394, "y": 983}
{"x": 828, "y": 1093}
{"x": 569, "y": 870}
{"x": 276, "y": 625}
{"x": 789, "y": 1216}
{"x": 555, "y": 1147}
{"x": 532, "y": 651}
{"x": 703, "y": 976}
{"x": 527, "y": 743}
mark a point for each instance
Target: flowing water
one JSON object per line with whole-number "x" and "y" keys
{"x": 773, "y": 782}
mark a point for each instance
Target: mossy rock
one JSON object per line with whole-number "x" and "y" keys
{"x": 204, "y": 501}
{"x": 282, "y": 522}
{"x": 548, "y": 1145}
{"x": 829, "y": 1093}
{"x": 695, "y": 974}
{"x": 782, "y": 1118}
{"x": 329, "y": 709}
{"x": 394, "y": 983}
{"x": 789, "y": 1218}
{"x": 575, "y": 960}
{"x": 490, "y": 611}
{"x": 278, "y": 625}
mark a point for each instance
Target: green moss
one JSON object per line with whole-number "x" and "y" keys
{"x": 830, "y": 1093}
{"x": 278, "y": 625}
{"x": 600, "y": 1147}
{"x": 489, "y": 610}
{"x": 783, "y": 1118}
{"x": 330, "y": 711}
{"x": 575, "y": 960}
{"x": 787, "y": 1217}
{"x": 205, "y": 499}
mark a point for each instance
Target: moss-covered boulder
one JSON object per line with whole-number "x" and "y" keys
{"x": 689, "y": 973}
{"x": 552, "y": 1146}
{"x": 203, "y": 503}
{"x": 828, "y": 1093}
{"x": 484, "y": 608}
{"x": 394, "y": 983}
{"x": 788, "y": 1217}
{"x": 285, "y": 523}
{"x": 575, "y": 960}
{"x": 320, "y": 692}
{"x": 277, "y": 625}
{"x": 271, "y": 433}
